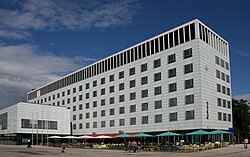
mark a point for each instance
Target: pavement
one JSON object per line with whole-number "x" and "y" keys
{"x": 43, "y": 151}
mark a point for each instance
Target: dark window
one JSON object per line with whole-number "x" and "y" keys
{"x": 144, "y": 80}
{"x": 157, "y": 76}
{"x": 173, "y": 116}
{"x": 189, "y": 115}
{"x": 171, "y": 72}
{"x": 173, "y": 102}
{"x": 171, "y": 42}
{"x": 172, "y": 87}
{"x": 158, "y": 104}
{"x": 158, "y": 118}
{"x": 144, "y": 106}
{"x": 189, "y": 83}
{"x": 144, "y": 67}
{"x": 132, "y": 83}
{"x": 157, "y": 63}
{"x": 132, "y": 71}
{"x": 161, "y": 43}
{"x": 192, "y": 30}
{"x": 103, "y": 80}
{"x": 187, "y": 37}
{"x": 166, "y": 41}
{"x": 176, "y": 42}
{"x": 111, "y": 78}
{"x": 187, "y": 53}
{"x": 188, "y": 68}
{"x": 121, "y": 86}
{"x": 189, "y": 99}
{"x": 181, "y": 35}
{"x": 152, "y": 47}
{"x": 121, "y": 74}
{"x": 171, "y": 58}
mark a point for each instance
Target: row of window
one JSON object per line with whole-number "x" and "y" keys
{"x": 223, "y": 103}
{"x": 132, "y": 96}
{"x": 222, "y": 89}
{"x": 41, "y": 124}
{"x": 224, "y": 117}
{"x": 221, "y": 62}
{"x": 212, "y": 39}
{"x": 222, "y": 76}
{"x": 156, "y": 45}
{"x": 189, "y": 115}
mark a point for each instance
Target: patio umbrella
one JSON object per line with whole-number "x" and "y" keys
{"x": 220, "y": 132}
{"x": 70, "y": 137}
{"x": 103, "y": 136}
{"x": 123, "y": 136}
{"x": 142, "y": 135}
{"x": 85, "y": 137}
{"x": 169, "y": 134}
{"x": 199, "y": 132}
{"x": 56, "y": 137}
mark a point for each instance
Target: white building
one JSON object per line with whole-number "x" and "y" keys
{"x": 16, "y": 122}
{"x": 178, "y": 80}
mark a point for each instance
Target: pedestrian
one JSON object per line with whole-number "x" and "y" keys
{"x": 125, "y": 146}
{"x": 63, "y": 148}
{"x": 245, "y": 142}
{"x": 129, "y": 146}
{"x": 138, "y": 146}
{"x": 234, "y": 140}
{"x": 134, "y": 146}
{"x": 29, "y": 144}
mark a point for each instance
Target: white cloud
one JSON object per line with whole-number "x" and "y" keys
{"x": 14, "y": 34}
{"x": 243, "y": 96}
{"x": 54, "y": 14}
{"x": 23, "y": 67}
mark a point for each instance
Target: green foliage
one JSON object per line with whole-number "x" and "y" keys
{"x": 241, "y": 117}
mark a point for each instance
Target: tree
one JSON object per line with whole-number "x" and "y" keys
{"x": 241, "y": 117}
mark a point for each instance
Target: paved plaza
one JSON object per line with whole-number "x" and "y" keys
{"x": 22, "y": 151}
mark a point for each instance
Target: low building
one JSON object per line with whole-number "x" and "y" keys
{"x": 23, "y": 121}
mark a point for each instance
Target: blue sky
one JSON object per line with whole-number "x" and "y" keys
{"x": 41, "y": 41}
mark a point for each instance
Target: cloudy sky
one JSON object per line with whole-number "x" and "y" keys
{"x": 42, "y": 40}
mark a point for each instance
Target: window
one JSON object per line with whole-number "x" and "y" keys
{"x": 222, "y": 76}
{"x": 102, "y": 102}
{"x": 111, "y": 100}
{"x": 224, "y": 117}
{"x": 80, "y": 97}
{"x": 171, "y": 58}
{"x": 94, "y": 114}
{"x": 228, "y": 104}
{"x": 189, "y": 115}
{"x": 217, "y": 73}
{"x": 103, "y": 113}
{"x": 94, "y": 83}
{"x": 94, "y": 124}
{"x": 132, "y": 83}
{"x": 68, "y": 100}
{"x": 87, "y": 95}
{"x": 112, "y": 123}
{"x": 222, "y": 63}
{"x": 132, "y": 108}
{"x": 111, "y": 78}
{"x": 111, "y": 111}
{"x": 187, "y": 53}
{"x": 189, "y": 83}
{"x": 63, "y": 94}
{"x": 189, "y": 99}
{"x": 122, "y": 122}
{"x": 103, "y": 124}
{"x": 219, "y": 101}
{"x": 158, "y": 104}
{"x": 87, "y": 86}
{"x": 87, "y": 115}
{"x": 144, "y": 93}
{"x": 224, "y": 103}
{"x": 188, "y": 68}
{"x": 102, "y": 91}
{"x": 74, "y": 90}
{"x": 131, "y": 71}
{"x": 121, "y": 98}
{"x": 74, "y": 99}
{"x": 228, "y": 91}
{"x": 172, "y": 87}
{"x": 158, "y": 90}
{"x": 229, "y": 118}
{"x": 173, "y": 102}
{"x": 219, "y": 116}
{"x": 227, "y": 65}
{"x": 80, "y": 116}
{"x": 87, "y": 125}
{"x": 111, "y": 89}
{"x": 218, "y": 88}
{"x": 227, "y": 78}
{"x": 80, "y": 107}
{"x": 74, "y": 108}
{"x": 171, "y": 72}
{"x": 94, "y": 93}
{"x": 158, "y": 118}
{"x": 121, "y": 86}
{"x": 173, "y": 116}
{"x": 144, "y": 120}
{"x": 58, "y": 95}
{"x": 133, "y": 121}
{"x": 87, "y": 105}
{"x": 144, "y": 80}
{"x": 103, "y": 80}
{"x": 121, "y": 74}
{"x": 132, "y": 96}
{"x": 80, "y": 88}
{"x": 80, "y": 126}
{"x": 144, "y": 106}
{"x": 68, "y": 92}
{"x": 223, "y": 89}
{"x": 94, "y": 104}
{"x": 217, "y": 60}
{"x": 144, "y": 67}
{"x": 74, "y": 117}
{"x": 74, "y": 126}
{"x": 157, "y": 63}
{"x": 157, "y": 76}
{"x": 121, "y": 110}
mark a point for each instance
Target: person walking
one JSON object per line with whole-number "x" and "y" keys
{"x": 245, "y": 142}
{"x": 63, "y": 148}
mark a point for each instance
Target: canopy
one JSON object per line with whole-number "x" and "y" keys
{"x": 169, "y": 134}
{"x": 55, "y": 137}
{"x": 123, "y": 136}
{"x": 199, "y": 132}
{"x": 220, "y": 132}
{"x": 103, "y": 136}
{"x": 142, "y": 135}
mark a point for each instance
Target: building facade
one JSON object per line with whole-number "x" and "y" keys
{"x": 178, "y": 80}
{"x": 24, "y": 121}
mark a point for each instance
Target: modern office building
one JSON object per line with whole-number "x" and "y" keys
{"x": 177, "y": 80}
{"x": 23, "y": 121}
